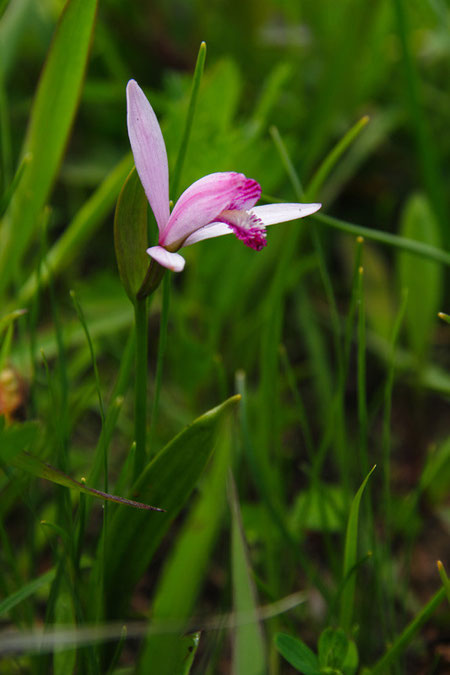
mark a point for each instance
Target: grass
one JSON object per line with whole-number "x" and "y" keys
{"x": 250, "y": 396}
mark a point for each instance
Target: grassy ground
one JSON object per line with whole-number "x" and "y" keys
{"x": 275, "y": 380}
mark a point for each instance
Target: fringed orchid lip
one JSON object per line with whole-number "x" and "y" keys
{"x": 217, "y": 204}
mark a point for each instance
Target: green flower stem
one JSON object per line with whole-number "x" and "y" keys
{"x": 140, "y": 401}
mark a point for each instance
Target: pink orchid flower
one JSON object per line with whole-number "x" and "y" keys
{"x": 217, "y": 204}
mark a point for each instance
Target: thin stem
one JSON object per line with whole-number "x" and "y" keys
{"x": 161, "y": 350}
{"x": 140, "y": 401}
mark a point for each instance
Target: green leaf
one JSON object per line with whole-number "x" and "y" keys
{"x": 351, "y": 661}
{"x": 190, "y": 643}
{"x": 37, "y": 467}
{"x": 169, "y": 479}
{"x": 52, "y": 115}
{"x": 249, "y": 656}
{"x": 297, "y": 654}
{"x": 422, "y": 278}
{"x": 130, "y": 235}
{"x": 175, "y": 597}
{"x": 332, "y": 648}
{"x": 351, "y": 541}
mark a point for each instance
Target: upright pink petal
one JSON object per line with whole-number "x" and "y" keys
{"x": 270, "y": 214}
{"x": 149, "y": 152}
{"x": 173, "y": 261}
{"x": 204, "y": 200}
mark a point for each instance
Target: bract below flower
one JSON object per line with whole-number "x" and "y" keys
{"x": 218, "y": 204}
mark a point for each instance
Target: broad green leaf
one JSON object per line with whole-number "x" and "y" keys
{"x": 379, "y": 303}
{"x": 422, "y": 278}
{"x": 169, "y": 479}
{"x": 350, "y": 552}
{"x": 249, "y": 656}
{"x": 37, "y": 467}
{"x": 297, "y": 654}
{"x": 175, "y": 595}
{"x": 23, "y": 593}
{"x": 332, "y": 648}
{"x": 52, "y": 115}
{"x": 130, "y": 235}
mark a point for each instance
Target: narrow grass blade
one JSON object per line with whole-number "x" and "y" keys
{"x": 410, "y": 245}
{"x": 313, "y": 188}
{"x": 351, "y": 541}
{"x": 196, "y": 81}
{"x": 249, "y": 653}
{"x": 26, "y": 591}
{"x": 77, "y": 234}
{"x": 37, "y": 467}
{"x": 444, "y": 578}
{"x": 169, "y": 480}
{"x": 9, "y": 192}
{"x": 400, "y": 644}
{"x": 427, "y": 149}
{"x": 175, "y": 594}
{"x": 53, "y": 112}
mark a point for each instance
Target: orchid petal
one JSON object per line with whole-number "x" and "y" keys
{"x": 204, "y": 200}
{"x": 173, "y": 261}
{"x": 270, "y": 214}
{"x": 149, "y": 152}
{"x": 208, "y": 232}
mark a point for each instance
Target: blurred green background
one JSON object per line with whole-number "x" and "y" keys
{"x": 304, "y": 72}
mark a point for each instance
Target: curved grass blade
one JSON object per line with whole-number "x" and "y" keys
{"x": 350, "y": 552}
{"x": 52, "y": 115}
{"x": 37, "y": 467}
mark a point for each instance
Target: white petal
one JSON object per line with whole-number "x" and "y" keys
{"x": 280, "y": 213}
{"x": 173, "y": 261}
{"x": 208, "y": 232}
